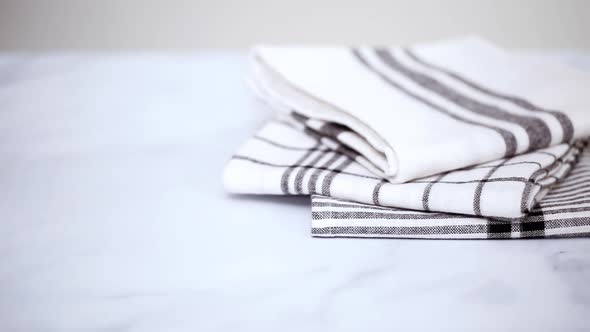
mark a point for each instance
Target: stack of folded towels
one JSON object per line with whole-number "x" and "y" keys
{"x": 450, "y": 140}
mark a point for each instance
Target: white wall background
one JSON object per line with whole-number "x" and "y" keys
{"x": 177, "y": 24}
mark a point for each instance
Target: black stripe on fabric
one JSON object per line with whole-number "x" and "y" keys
{"x": 312, "y": 183}
{"x": 327, "y": 183}
{"x": 569, "y": 189}
{"x": 526, "y": 192}
{"x": 565, "y": 122}
{"x": 582, "y": 169}
{"x": 537, "y": 226}
{"x": 290, "y": 169}
{"x": 403, "y": 232}
{"x": 572, "y": 179}
{"x": 507, "y": 136}
{"x": 479, "y": 190}
{"x": 377, "y": 190}
{"x": 584, "y": 200}
{"x": 537, "y": 130}
{"x": 537, "y": 214}
{"x": 299, "y": 117}
{"x": 366, "y": 215}
{"x": 331, "y": 129}
{"x": 553, "y": 198}
{"x": 302, "y": 171}
{"x": 574, "y": 176}
{"x": 565, "y": 200}
{"x": 498, "y": 230}
{"x": 426, "y": 193}
{"x": 567, "y": 222}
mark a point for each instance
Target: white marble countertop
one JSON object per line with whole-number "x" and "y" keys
{"x": 113, "y": 218}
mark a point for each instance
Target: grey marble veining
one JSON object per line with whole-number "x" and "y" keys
{"x": 113, "y": 218}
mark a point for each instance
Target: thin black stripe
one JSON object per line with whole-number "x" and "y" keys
{"x": 302, "y": 171}
{"x": 289, "y": 170}
{"x": 327, "y": 183}
{"x": 557, "y": 198}
{"x": 507, "y": 136}
{"x": 584, "y": 200}
{"x": 558, "y": 211}
{"x": 401, "y": 230}
{"x": 376, "y": 191}
{"x": 569, "y": 184}
{"x": 332, "y": 130}
{"x": 366, "y": 215}
{"x": 569, "y": 190}
{"x": 312, "y": 184}
{"x": 426, "y": 193}
{"x": 578, "y": 171}
{"x": 572, "y": 188}
{"x": 537, "y": 130}
{"x": 566, "y": 124}
{"x": 479, "y": 190}
{"x": 564, "y": 200}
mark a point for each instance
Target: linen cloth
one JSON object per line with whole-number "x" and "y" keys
{"x": 427, "y": 109}
{"x": 564, "y": 212}
{"x": 287, "y": 158}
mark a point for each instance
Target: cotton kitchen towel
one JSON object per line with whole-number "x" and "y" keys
{"x": 288, "y": 158}
{"x": 430, "y": 108}
{"x": 564, "y": 212}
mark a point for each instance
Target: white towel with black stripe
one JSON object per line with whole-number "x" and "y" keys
{"x": 287, "y": 158}
{"x": 563, "y": 212}
{"x": 427, "y": 109}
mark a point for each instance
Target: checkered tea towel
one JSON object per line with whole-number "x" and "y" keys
{"x": 284, "y": 158}
{"x": 287, "y": 158}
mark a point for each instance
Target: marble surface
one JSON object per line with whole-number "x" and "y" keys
{"x": 113, "y": 218}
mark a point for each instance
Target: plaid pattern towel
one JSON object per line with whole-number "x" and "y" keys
{"x": 285, "y": 159}
{"x": 425, "y": 110}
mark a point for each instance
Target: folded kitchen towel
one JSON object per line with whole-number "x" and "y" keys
{"x": 563, "y": 212}
{"x": 282, "y": 159}
{"x": 288, "y": 158}
{"x": 427, "y": 109}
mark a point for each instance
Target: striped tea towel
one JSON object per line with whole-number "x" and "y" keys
{"x": 283, "y": 159}
{"x": 427, "y": 109}
{"x": 564, "y": 212}
{"x": 286, "y": 158}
